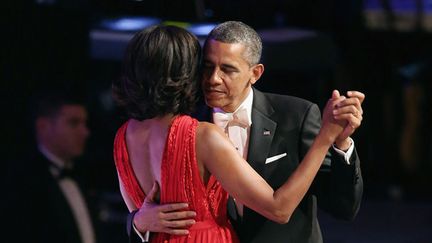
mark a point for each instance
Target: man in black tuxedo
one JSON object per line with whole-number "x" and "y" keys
{"x": 274, "y": 134}
{"x": 45, "y": 202}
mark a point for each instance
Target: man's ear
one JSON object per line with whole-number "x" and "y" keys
{"x": 257, "y": 71}
{"x": 42, "y": 124}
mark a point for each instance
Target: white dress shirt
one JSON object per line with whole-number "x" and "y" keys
{"x": 238, "y": 133}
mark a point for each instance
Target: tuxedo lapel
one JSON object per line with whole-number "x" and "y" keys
{"x": 261, "y": 133}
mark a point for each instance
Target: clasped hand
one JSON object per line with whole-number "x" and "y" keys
{"x": 342, "y": 116}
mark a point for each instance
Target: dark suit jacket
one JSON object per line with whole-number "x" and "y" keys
{"x": 286, "y": 124}
{"x": 36, "y": 207}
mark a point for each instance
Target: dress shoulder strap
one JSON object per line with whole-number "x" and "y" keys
{"x": 124, "y": 168}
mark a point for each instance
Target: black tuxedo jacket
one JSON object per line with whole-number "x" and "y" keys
{"x": 37, "y": 209}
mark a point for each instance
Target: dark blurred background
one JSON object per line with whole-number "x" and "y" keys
{"x": 380, "y": 47}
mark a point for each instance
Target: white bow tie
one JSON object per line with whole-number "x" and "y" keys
{"x": 239, "y": 118}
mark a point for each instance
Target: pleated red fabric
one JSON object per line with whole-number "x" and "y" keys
{"x": 181, "y": 182}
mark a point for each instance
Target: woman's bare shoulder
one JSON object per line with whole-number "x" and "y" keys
{"x": 210, "y": 141}
{"x": 208, "y": 131}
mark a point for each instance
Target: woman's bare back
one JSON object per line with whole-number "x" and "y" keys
{"x": 146, "y": 144}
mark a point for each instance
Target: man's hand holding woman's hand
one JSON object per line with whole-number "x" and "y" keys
{"x": 341, "y": 117}
{"x": 168, "y": 218}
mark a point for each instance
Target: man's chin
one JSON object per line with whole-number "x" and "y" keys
{"x": 213, "y": 102}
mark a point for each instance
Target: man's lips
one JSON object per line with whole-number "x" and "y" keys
{"x": 214, "y": 94}
{"x": 209, "y": 91}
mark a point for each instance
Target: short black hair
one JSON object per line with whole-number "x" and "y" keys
{"x": 47, "y": 102}
{"x": 160, "y": 73}
{"x": 238, "y": 32}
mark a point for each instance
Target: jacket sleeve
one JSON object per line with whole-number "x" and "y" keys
{"x": 134, "y": 237}
{"x": 338, "y": 185}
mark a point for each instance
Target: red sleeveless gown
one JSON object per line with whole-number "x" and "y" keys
{"x": 181, "y": 182}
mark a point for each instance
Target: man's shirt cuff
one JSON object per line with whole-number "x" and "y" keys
{"x": 348, "y": 153}
{"x": 145, "y": 237}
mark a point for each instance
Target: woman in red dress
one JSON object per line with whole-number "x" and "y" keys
{"x": 193, "y": 161}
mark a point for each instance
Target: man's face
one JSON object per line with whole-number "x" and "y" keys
{"x": 227, "y": 76}
{"x": 68, "y": 131}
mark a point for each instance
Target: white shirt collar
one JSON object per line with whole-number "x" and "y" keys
{"x": 58, "y": 162}
{"x": 246, "y": 104}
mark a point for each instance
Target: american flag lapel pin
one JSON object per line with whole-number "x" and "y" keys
{"x": 266, "y": 133}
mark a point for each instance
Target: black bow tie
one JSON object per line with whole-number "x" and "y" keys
{"x": 66, "y": 173}
{"x": 62, "y": 173}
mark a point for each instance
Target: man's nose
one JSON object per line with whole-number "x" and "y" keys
{"x": 215, "y": 77}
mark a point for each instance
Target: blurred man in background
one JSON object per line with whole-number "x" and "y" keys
{"x": 45, "y": 202}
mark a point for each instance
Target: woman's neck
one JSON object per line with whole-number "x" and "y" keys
{"x": 166, "y": 119}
